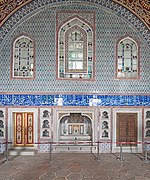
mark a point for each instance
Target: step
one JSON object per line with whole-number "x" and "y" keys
{"x": 74, "y": 149}
{"x": 17, "y": 152}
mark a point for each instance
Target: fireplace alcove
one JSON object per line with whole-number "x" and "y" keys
{"x": 76, "y": 128}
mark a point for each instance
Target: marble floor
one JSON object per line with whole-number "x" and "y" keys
{"x": 70, "y": 166}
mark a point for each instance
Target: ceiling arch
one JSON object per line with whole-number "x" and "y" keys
{"x": 136, "y": 12}
{"x": 141, "y": 8}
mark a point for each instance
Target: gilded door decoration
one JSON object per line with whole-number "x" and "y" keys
{"x": 23, "y": 123}
{"x": 18, "y": 130}
{"x": 29, "y": 128}
{"x": 126, "y": 127}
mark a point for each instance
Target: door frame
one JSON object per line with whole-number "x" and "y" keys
{"x": 126, "y": 127}
{"x": 135, "y": 149}
{"x": 11, "y": 126}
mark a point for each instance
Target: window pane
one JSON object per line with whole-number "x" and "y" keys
{"x": 79, "y": 55}
{"x": 75, "y": 50}
{"x": 127, "y": 54}
{"x": 79, "y": 65}
{"x": 75, "y": 65}
{"x": 72, "y": 56}
{"x": 79, "y": 46}
{"x": 71, "y": 46}
{"x": 127, "y": 62}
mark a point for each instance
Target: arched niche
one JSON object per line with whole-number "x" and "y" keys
{"x": 75, "y": 127}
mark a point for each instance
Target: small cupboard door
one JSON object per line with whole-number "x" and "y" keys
{"x": 23, "y": 128}
{"x": 126, "y": 127}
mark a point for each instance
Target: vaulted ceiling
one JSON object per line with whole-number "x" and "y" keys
{"x": 140, "y": 8}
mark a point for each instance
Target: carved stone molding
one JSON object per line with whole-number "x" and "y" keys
{"x": 8, "y": 7}
{"x": 140, "y": 8}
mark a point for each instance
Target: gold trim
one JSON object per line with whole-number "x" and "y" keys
{"x": 24, "y": 128}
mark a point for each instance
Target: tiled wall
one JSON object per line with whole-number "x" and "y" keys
{"x": 40, "y": 23}
{"x": 38, "y": 19}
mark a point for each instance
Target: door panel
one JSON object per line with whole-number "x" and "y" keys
{"x": 23, "y": 129}
{"x": 18, "y": 130}
{"x": 29, "y": 128}
{"x": 132, "y": 128}
{"x": 126, "y": 127}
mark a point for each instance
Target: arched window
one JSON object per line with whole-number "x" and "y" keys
{"x": 75, "y": 50}
{"x": 23, "y": 57}
{"x": 127, "y": 58}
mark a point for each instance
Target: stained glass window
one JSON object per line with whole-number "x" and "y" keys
{"x": 75, "y": 50}
{"x": 23, "y": 57}
{"x": 127, "y": 58}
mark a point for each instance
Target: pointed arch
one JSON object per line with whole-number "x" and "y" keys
{"x": 23, "y": 57}
{"x": 127, "y": 58}
{"x": 75, "y": 53}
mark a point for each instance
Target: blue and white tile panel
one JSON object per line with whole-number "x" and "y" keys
{"x": 73, "y": 100}
{"x": 44, "y": 147}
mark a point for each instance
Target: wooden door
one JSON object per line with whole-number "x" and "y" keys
{"x": 126, "y": 127}
{"x": 23, "y": 129}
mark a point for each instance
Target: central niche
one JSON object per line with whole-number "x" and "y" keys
{"x": 75, "y": 127}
